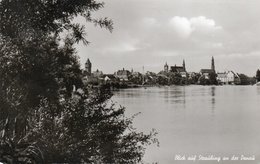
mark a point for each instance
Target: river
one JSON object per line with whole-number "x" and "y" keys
{"x": 216, "y": 121}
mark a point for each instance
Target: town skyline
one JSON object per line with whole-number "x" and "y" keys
{"x": 152, "y": 32}
{"x": 169, "y": 75}
{"x": 143, "y": 70}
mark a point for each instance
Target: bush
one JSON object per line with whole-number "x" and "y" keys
{"x": 47, "y": 114}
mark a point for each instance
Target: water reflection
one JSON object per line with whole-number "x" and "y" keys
{"x": 258, "y": 90}
{"x": 213, "y": 90}
{"x": 175, "y": 95}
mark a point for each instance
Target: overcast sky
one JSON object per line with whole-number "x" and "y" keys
{"x": 151, "y": 32}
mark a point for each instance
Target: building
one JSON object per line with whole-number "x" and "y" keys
{"x": 207, "y": 72}
{"x": 123, "y": 75}
{"x": 90, "y": 77}
{"x": 97, "y": 73}
{"x": 180, "y": 69}
{"x": 88, "y": 67}
{"x": 228, "y": 77}
{"x": 109, "y": 78}
{"x": 166, "y": 67}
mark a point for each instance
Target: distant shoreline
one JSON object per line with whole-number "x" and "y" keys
{"x": 159, "y": 86}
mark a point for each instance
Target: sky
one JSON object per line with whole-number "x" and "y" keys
{"x": 150, "y": 33}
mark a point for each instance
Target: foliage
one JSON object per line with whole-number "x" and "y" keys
{"x": 47, "y": 114}
{"x": 258, "y": 75}
{"x": 28, "y": 19}
{"x": 245, "y": 80}
{"x": 194, "y": 78}
{"x": 89, "y": 130}
{"x": 203, "y": 80}
{"x": 175, "y": 78}
{"x": 136, "y": 79}
{"x": 211, "y": 79}
{"x": 162, "y": 80}
{"x": 170, "y": 78}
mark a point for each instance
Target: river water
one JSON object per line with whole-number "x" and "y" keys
{"x": 209, "y": 121}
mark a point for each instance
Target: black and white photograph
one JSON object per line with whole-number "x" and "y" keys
{"x": 129, "y": 81}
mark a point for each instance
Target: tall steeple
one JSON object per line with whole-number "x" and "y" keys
{"x": 88, "y": 67}
{"x": 212, "y": 64}
{"x": 183, "y": 64}
{"x": 166, "y": 67}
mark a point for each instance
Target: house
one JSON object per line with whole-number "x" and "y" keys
{"x": 108, "y": 78}
{"x": 228, "y": 77}
{"x": 122, "y": 75}
{"x": 222, "y": 78}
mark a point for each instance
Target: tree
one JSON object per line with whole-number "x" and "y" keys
{"x": 47, "y": 114}
{"x": 203, "y": 80}
{"x": 136, "y": 79}
{"x": 175, "y": 78}
{"x": 258, "y": 75}
{"x": 28, "y": 19}
{"x": 162, "y": 80}
{"x": 213, "y": 78}
{"x": 245, "y": 80}
{"x": 193, "y": 79}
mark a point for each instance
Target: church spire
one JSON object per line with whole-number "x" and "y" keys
{"x": 212, "y": 64}
{"x": 183, "y": 64}
{"x": 166, "y": 67}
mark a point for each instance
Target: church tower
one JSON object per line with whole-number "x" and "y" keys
{"x": 212, "y": 64}
{"x": 166, "y": 67}
{"x": 88, "y": 67}
{"x": 183, "y": 64}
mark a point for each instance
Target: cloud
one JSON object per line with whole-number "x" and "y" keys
{"x": 203, "y": 24}
{"x": 184, "y": 27}
{"x": 181, "y": 26}
{"x": 124, "y": 47}
{"x": 241, "y": 55}
{"x": 148, "y": 21}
